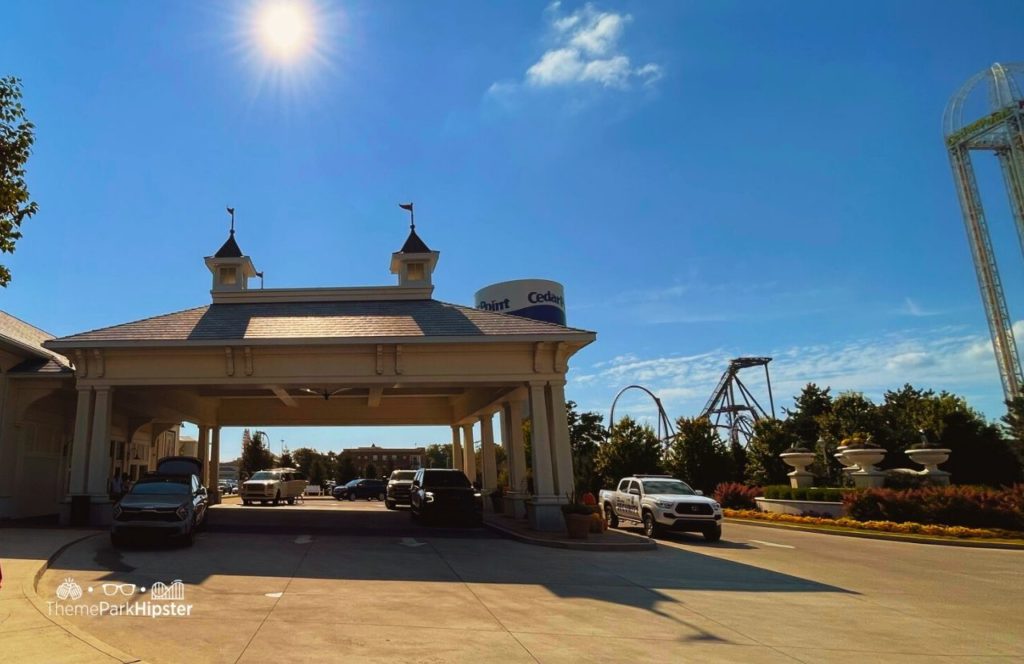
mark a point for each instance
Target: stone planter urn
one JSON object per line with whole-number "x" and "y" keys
{"x": 866, "y": 476}
{"x": 800, "y": 477}
{"x": 930, "y": 458}
{"x": 840, "y": 456}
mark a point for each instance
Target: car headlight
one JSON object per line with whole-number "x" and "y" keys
{"x": 182, "y": 512}
{"x": 665, "y": 504}
{"x": 716, "y": 506}
{"x": 476, "y": 494}
{"x": 429, "y": 495}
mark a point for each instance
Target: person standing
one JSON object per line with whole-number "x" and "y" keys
{"x": 116, "y": 487}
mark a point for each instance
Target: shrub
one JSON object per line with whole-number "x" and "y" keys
{"x": 736, "y": 496}
{"x": 972, "y": 507}
{"x": 820, "y": 493}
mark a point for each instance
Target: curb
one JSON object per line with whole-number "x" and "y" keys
{"x": 645, "y": 545}
{"x": 892, "y": 537}
{"x": 28, "y": 588}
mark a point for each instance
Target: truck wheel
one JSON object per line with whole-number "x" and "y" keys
{"x": 713, "y": 534}
{"x": 291, "y": 501}
{"x": 247, "y": 502}
{"x": 651, "y": 528}
{"x": 390, "y": 504}
{"x": 277, "y": 498}
{"x": 613, "y": 518}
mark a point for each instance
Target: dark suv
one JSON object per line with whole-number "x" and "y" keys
{"x": 440, "y": 493}
{"x": 399, "y": 486}
{"x": 368, "y": 489}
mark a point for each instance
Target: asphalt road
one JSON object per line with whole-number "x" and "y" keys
{"x": 298, "y": 581}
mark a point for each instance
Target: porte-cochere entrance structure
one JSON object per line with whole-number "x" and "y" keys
{"x": 391, "y": 355}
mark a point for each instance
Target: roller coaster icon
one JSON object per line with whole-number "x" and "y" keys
{"x": 174, "y": 591}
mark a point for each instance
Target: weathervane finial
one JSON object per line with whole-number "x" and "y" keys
{"x": 412, "y": 215}
{"x": 231, "y": 211}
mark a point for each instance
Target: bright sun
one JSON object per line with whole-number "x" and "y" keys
{"x": 284, "y": 29}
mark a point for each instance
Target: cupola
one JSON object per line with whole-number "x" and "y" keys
{"x": 230, "y": 268}
{"x": 414, "y": 263}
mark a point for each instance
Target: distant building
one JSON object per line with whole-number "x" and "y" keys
{"x": 228, "y": 470}
{"x": 188, "y": 446}
{"x": 384, "y": 459}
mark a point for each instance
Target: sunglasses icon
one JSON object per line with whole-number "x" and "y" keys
{"x": 126, "y": 589}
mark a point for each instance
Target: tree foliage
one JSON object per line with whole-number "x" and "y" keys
{"x": 698, "y": 456}
{"x": 256, "y": 455}
{"x": 438, "y": 456}
{"x": 586, "y": 433}
{"x": 17, "y": 135}
{"x": 771, "y": 438}
{"x": 346, "y": 470}
{"x": 631, "y": 449}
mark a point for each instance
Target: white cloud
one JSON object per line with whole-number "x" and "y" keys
{"x": 585, "y": 50}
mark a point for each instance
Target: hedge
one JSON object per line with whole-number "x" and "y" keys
{"x": 971, "y": 507}
{"x": 819, "y": 493}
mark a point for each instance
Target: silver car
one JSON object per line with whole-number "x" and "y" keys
{"x": 168, "y": 505}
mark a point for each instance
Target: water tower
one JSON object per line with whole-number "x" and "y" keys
{"x": 993, "y": 122}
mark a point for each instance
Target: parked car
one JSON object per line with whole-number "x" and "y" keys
{"x": 361, "y": 488}
{"x": 273, "y": 486}
{"x": 162, "y": 504}
{"x": 399, "y": 488}
{"x": 227, "y": 487}
{"x": 443, "y": 493}
{"x": 660, "y": 503}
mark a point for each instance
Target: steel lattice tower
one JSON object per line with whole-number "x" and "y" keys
{"x": 1000, "y": 131}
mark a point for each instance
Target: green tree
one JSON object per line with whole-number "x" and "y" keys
{"x": 371, "y": 471}
{"x": 697, "y": 455}
{"x": 771, "y": 438}
{"x": 438, "y": 456}
{"x": 17, "y": 135}
{"x": 803, "y": 419}
{"x": 286, "y": 460}
{"x": 1013, "y": 421}
{"x": 586, "y": 433}
{"x": 317, "y": 473}
{"x": 255, "y": 454}
{"x": 631, "y": 449}
{"x": 346, "y": 470}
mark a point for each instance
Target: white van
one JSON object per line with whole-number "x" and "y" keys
{"x": 273, "y": 486}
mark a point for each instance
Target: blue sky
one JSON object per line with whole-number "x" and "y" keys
{"x": 707, "y": 179}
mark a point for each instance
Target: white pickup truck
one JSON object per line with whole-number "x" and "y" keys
{"x": 660, "y": 503}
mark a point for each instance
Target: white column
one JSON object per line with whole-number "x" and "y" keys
{"x": 99, "y": 445}
{"x": 543, "y": 480}
{"x": 489, "y": 472}
{"x": 456, "y": 449}
{"x": 503, "y": 428}
{"x": 561, "y": 450}
{"x": 204, "y": 454}
{"x": 215, "y": 466}
{"x": 516, "y": 446}
{"x": 468, "y": 453}
{"x": 80, "y": 442}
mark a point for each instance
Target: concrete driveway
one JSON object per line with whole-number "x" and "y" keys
{"x": 338, "y": 580}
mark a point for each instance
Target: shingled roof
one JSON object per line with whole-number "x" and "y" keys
{"x": 267, "y": 321}
{"x": 29, "y": 338}
{"x": 414, "y": 245}
{"x": 229, "y": 249}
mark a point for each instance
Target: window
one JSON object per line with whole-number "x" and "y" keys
{"x": 415, "y": 272}
{"x": 623, "y": 486}
{"x": 228, "y": 276}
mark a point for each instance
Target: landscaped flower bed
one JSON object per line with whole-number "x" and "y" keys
{"x": 968, "y": 506}
{"x": 908, "y": 528}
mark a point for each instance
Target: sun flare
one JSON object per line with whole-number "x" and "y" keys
{"x": 285, "y": 29}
